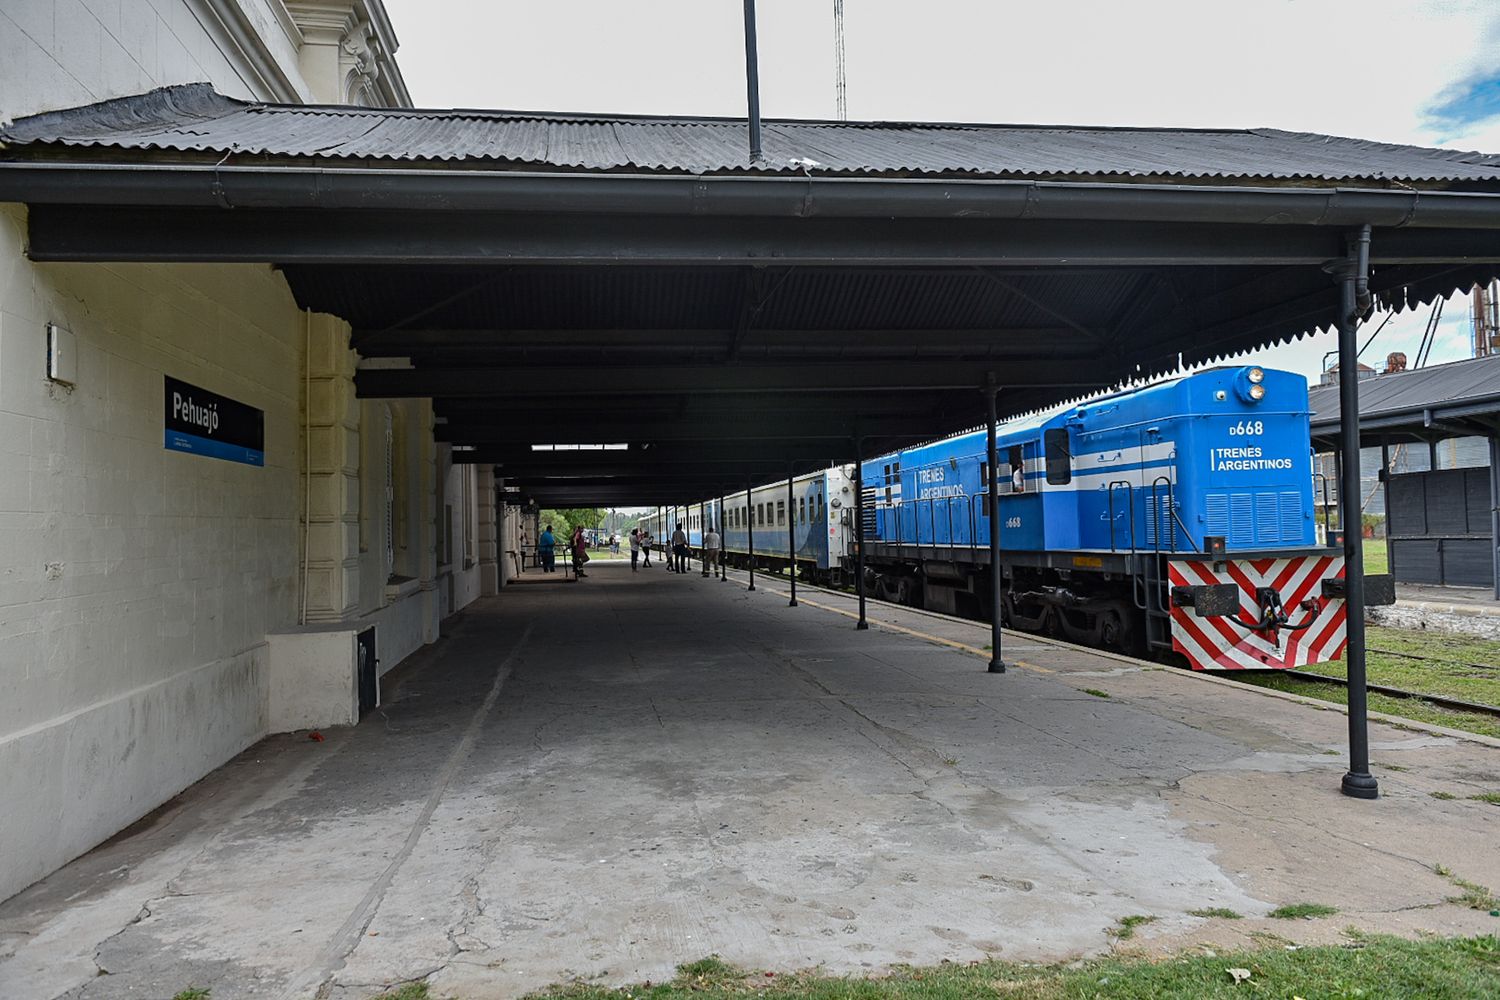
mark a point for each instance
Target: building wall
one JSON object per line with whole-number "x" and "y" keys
{"x": 65, "y": 53}
{"x": 137, "y": 584}
{"x": 139, "y": 587}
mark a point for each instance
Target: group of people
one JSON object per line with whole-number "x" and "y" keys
{"x": 641, "y": 543}
{"x": 578, "y": 547}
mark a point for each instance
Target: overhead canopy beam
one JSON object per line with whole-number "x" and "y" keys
{"x": 289, "y": 236}
{"x": 500, "y": 343}
{"x": 683, "y": 453}
{"x": 215, "y": 185}
{"x": 373, "y": 383}
{"x": 475, "y": 430}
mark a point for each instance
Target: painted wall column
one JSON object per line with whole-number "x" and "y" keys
{"x": 330, "y": 501}
{"x": 489, "y": 567}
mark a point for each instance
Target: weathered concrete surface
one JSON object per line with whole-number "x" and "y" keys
{"x": 606, "y": 778}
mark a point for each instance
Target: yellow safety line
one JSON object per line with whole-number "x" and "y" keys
{"x": 913, "y": 632}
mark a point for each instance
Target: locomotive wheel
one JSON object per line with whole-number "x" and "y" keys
{"x": 1111, "y": 630}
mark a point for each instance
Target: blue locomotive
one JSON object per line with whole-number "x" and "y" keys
{"x": 1178, "y": 516}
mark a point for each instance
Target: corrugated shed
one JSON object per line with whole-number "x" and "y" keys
{"x": 1456, "y": 385}
{"x": 194, "y": 119}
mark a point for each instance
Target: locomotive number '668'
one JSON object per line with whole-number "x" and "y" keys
{"x": 1247, "y": 428}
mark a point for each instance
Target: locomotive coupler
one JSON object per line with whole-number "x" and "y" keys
{"x": 1272, "y": 615}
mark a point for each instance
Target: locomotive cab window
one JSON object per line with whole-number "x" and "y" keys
{"x": 1059, "y": 457}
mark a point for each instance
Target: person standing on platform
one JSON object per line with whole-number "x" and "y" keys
{"x": 646, "y": 541}
{"x": 635, "y": 549}
{"x": 546, "y": 550}
{"x": 679, "y": 549}
{"x": 710, "y": 551}
{"x": 580, "y": 548}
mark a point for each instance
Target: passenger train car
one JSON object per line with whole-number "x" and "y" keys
{"x": 1172, "y": 518}
{"x": 1178, "y": 516}
{"x": 819, "y": 517}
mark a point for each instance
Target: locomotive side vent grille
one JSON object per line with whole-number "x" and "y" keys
{"x": 1292, "y": 521}
{"x": 1216, "y": 507}
{"x": 1241, "y": 519}
{"x": 1267, "y": 518}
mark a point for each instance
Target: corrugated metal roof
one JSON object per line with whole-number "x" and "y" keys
{"x": 1458, "y": 385}
{"x": 194, "y": 119}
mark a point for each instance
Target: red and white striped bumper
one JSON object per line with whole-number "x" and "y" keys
{"x": 1219, "y": 643}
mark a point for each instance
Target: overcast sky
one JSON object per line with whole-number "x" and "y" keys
{"x": 1418, "y": 72}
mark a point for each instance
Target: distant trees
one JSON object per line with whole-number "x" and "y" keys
{"x": 564, "y": 520}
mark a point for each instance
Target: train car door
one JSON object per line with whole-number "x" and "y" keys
{"x": 1020, "y": 500}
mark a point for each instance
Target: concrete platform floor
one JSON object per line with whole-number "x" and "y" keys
{"x": 605, "y": 778}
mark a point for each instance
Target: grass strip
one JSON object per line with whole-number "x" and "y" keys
{"x": 1372, "y": 967}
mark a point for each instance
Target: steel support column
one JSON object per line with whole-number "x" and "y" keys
{"x": 1494, "y": 509}
{"x": 1352, "y": 274}
{"x": 859, "y": 529}
{"x": 791, "y": 536}
{"x": 1385, "y": 494}
{"x": 723, "y": 539}
{"x": 992, "y": 487}
{"x": 703, "y": 534}
{"x": 750, "y": 525}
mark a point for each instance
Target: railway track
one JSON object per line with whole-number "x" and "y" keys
{"x": 1455, "y": 704}
{"x": 1440, "y": 701}
{"x": 1488, "y": 667}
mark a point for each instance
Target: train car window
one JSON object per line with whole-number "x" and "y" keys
{"x": 781, "y": 512}
{"x": 1059, "y": 457}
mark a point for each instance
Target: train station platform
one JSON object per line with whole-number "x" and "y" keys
{"x": 1463, "y": 610}
{"x": 602, "y": 779}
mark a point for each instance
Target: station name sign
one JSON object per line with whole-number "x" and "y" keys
{"x": 206, "y": 423}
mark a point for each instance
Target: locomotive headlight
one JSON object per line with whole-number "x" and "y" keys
{"x": 1249, "y": 384}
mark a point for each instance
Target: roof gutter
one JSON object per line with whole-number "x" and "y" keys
{"x": 183, "y": 185}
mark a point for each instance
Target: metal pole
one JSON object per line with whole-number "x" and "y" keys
{"x": 1351, "y": 272}
{"x": 859, "y": 530}
{"x": 1385, "y": 480}
{"x": 703, "y": 533}
{"x": 997, "y": 661}
{"x": 1338, "y": 477}
{"x": 1494, "y": 508}
{"x": 752, "y": 81}
{"x": 723, "y": 539}
{"x": 750, "y": 523}
{"x": 791, "y": 536}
